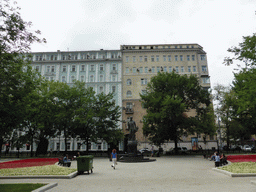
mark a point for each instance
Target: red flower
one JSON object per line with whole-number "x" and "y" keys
{"x": 28, "y": 163}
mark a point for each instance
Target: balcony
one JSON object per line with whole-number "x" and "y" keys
{"x": 128, "y": 110}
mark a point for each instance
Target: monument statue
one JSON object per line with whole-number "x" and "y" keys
{"x": 132, "y": 129}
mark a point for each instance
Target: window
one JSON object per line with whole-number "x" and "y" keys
{"x": 206, "y": 80}
{"x": 128, "y": 105}
{"x": 144, "y": 81}
{"x": 63, "y": 57}
{"x": 145, "y": 47}
{"x": 52, "y": 69}
{"x": 141, "y": 69}
{"x": 51, "y": 78}
{"x": 152, "y": 58}
{"x": 68, "y": 146}
{"x": 114, "y": 67}
{"x": 73, "y": 68}
{"x": 128, "y": 94}
{"x": 141, "y": 58}
{"x": 134, "y": 59}
{"x": 189, "y": 68}
{"x": 82, "y": 67}
{"x": 153, "y": 69}
{"x": 82, "y": 78}
{"x": 101, "y": 78}
{"x": 64, "y": 68}
{"x": 194, "y": 68}
{"x": 181, "y": 57}
{"x": 57, "y": 146}
{"x": 164, "y": 57}
{"x": 101, "y": 89}
{"x": 55, "y": 58}
{"x": 78, "y": 146}
{"x": 157, "y": 69}
{"x": 91, "y": 67}
{"x": 63, "y": 79}
{"x": 113, "y": 77}
{"x": 204, "y": 68}
{"x": 145, "y": 58}
{"x": 157, "y": 58}
{"x": 72, "y": 78}
{"x": 170, "y": 69}
{"x": 146, "y": 69}
{"x": 203, "y": 57}
{"x": 165, "y": 69}
{"x": 113, "y": 89}
{"x": 128, "y": 82}
{"x": 169, "y": 57}
{"x": 127, "y": 70}
{"x": 94, "y": 56}
{"x": 188, "y": 57}
{"x": 127, "y": 59}
{"x": 37, "y": 68}
{"x": 177, "y": 69}
{"x": 48, "y": 68}
{"x": 47, "y": 78}
{"x": 176, "y": 57}
{"x": 101, "y": 67}
{"x": 193, "y": 57}
{"x": 182, "y": 69}
{"x": 134, "y": 69}
{"x": 51, "y": 57}
{"x": 143, "y": 92}
{"x": 91, "y": 78}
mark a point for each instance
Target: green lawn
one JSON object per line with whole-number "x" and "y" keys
{"x": 242, "y": 167}
{"x": 20, "y": 187}
{"x": 40, "y": 170}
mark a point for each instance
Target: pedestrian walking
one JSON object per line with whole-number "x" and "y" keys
{"x": 114, "y": 158}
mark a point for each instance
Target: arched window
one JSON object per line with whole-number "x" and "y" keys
{"x": 128, "y": 82}
{"x": 129, "y": 94}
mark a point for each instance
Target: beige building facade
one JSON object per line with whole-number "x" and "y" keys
{"x": 141, "y": 62}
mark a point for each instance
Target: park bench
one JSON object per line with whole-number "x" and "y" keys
{"x": 61, "y": 162}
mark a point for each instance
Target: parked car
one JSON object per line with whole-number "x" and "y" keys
{"x": 247, "y": 148}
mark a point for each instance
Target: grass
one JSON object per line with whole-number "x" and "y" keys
{"x": 39, "y": 170}
{"x": 241, "y": 167}
{"x": 20, "y": 187}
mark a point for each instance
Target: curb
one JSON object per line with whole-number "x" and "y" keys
{"x": 70, "y": 176}
{"x": 235, "y": 174}
{"x": 46, "y": 187}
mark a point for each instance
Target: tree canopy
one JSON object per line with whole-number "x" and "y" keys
{"x": 168, "y": 99}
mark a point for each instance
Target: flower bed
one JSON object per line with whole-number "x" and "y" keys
{"x": 241, "y": 158}
{"x": 240, "y": 167}
{"x": 28, "y": 163}
{"x": 38, "y": 170}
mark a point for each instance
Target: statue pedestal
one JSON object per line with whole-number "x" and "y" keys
{"x": 132, "y": 148}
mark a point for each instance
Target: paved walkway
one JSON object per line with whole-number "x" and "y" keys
{"x": 184, "y": 173}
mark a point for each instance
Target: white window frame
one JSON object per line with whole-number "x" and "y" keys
{"x": 92, "y": 68}
{"x": 64, "y": 68}
{"x": 73, "y": 68}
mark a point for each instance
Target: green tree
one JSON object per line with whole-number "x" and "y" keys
{"x": 245, "y": 52}
{"x": 168, "y": 97}
{"x": 244, "y": 83}
{"x": 96, "y": 117}
{"x": 15, "y": 83}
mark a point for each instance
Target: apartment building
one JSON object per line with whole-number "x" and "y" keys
{"x": 99, "y": 69}
{"x": 141, "y": 62}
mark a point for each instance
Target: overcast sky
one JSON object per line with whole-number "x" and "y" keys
{"x": 106, "y": 24}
